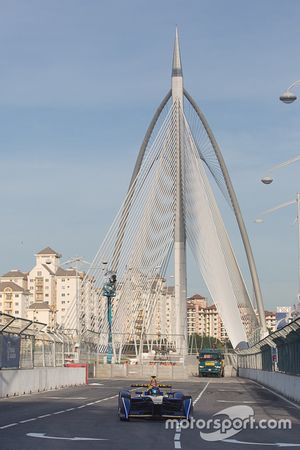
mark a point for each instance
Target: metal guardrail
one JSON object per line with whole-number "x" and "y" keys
{"x": 279, "y": 351}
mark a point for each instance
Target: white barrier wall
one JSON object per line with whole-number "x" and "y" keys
{"x": 143, "y": 372}
{"x": 287, "y": 385}
{"x": 140, "y": 372}
{"x": 25, "y": 381}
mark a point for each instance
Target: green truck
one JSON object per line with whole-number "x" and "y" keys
{"x": 211, "y": 362}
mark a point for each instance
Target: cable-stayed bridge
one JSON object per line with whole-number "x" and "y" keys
{"x": 170, "y": 204}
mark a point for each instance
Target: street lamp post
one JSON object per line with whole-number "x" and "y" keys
{"x": 76, "y": 261}
{"x": 268, "y": 179}
{"x": 288, "y": 96}
{"x": 284, "y": 205}
{"x": 109, "y": 291}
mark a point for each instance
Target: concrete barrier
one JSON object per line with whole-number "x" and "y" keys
{"x": 287, "y": 385}
{"x": 118, "y": 371}
{"x": 229, "y": 371}
{"x": 165, "y": 372}
{"x": 144, "y": 371}
{"x": 25, "y": 381}
{"x": 136, "y": 371}
{"x": 179, "y": 372}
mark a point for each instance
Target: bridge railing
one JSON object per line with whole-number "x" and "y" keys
{"x": 279, "y": 351}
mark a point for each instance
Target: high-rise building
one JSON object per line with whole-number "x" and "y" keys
{"x": 16, "y": 276}
{"x": 271, "y": 320}
{"x": 68, "y": 282}
{"x": 14, "y": 299}
{"x": 42, "y": 278}
{"x": 44, "y": 293}
{"x": 203, "y": 319}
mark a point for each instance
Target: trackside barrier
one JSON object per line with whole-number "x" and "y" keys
{"x": 287, "y": 385}
{"x": 275, "y": 361}
{"x": 144, "y": 371}
{"x": 73, "y": 365}
{"x": 277, "y": 352}
{"x": 15, "y": 382}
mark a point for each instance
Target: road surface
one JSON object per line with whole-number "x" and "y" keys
{"x": 85, "y": 417}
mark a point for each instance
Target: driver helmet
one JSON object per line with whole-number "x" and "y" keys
{"x": 153, "y": 381}
{"x": 154, "y": 391}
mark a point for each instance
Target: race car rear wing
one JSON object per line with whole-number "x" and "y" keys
{"x": 149, "y": 385}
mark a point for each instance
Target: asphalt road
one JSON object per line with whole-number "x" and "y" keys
{"x": 86, "y": 417}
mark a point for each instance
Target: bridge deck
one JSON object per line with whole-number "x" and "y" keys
{"x": 53, "y": 419}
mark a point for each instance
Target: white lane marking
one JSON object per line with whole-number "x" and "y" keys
{"x": 8, "y": 426}
{"x": 28, "y": 420}
{"x": 95, "y": 384}
{"x": 58, "y": 412}
{"x": 201, "y": 393}
{"x": 239, "y": 402}
{"x": 275, "y": 444}
{"x": 65, "y": 398}
{"x": 177, "y": 436}
{"x": 229, "y": 390}
{"x": 276, "y": 393}
{"x": 104, "y": 399}
{"x": 43, "y": 436}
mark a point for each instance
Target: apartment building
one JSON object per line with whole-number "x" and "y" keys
{"x": 14, "y": 299}
{"x": 16, "y": 276}
{"x": 271, "y": 320}
{"x": 204, "y": 319}
{"x": 44, "y": 293}
{"x": 68, "y": 282}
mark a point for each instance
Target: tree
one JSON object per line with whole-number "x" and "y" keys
{"x": 198, "y": 342}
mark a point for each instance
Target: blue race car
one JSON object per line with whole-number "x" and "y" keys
{"x": 154, "y": 403}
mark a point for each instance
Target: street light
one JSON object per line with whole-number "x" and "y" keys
{"x": 76, "y": 260}
{"x": 109, "y": 291}
{"x": 276, "y": 208}
{"x": 268, "y": 179}
{"x": 288, "y": 96}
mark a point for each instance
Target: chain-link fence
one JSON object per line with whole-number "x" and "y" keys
{"x": 25, "y": 344}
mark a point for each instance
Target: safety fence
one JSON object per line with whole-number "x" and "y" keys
{"x": 279, "y": 351}
{"x": 137, "y": 348}
{"x": 26, "y": 344}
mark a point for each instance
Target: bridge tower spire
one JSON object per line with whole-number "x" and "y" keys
{"x": 177, "y": 76}
{"x": 170, "y": 202}
{"x": 180, "y": 232}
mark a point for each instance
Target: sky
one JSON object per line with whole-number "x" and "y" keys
{"x": 79, "y": 83}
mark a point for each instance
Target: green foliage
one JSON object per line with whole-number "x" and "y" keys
{"x": 198, "y": 342}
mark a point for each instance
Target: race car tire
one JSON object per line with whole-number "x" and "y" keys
{"x": 122, "y": 416}
{"x": 124, "y": 419}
